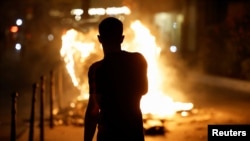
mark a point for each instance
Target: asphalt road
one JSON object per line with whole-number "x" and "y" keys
{"x": 212, "y": 105}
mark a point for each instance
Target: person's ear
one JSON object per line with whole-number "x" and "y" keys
{"x": 99, "y": 38}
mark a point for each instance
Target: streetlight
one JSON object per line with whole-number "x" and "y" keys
{"x": 19, "y": 22}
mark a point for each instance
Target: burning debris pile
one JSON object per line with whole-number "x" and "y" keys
{"x": 79, "y": 50}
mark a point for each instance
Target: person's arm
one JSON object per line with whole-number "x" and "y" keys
{"x": 92, "y": 111}
{"x": 145, "y": 76}
{"x": 91, "y": 118}
{"x": 142, "y": 76}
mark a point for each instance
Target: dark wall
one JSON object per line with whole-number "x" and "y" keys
{"x": 222, "y": 37}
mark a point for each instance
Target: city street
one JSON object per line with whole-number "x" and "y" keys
{"x": 212, "y": 105}
{"x": 197, "y": 54}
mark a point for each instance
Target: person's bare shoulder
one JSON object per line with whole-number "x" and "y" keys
{"x": 140, "y": 58}
{"x": 93, "y": 68}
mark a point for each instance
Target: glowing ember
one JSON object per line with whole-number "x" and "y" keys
{"x": 78, "y": 50}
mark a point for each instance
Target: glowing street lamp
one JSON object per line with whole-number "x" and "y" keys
{"x": 19, "y": 22}
{"x": 18, "y": 46}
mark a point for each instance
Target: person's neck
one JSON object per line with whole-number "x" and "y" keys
{"x": 111, "y": 49}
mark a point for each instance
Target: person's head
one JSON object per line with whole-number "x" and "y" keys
{"x": 110, "y": 32}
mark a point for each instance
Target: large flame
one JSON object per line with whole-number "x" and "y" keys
{"x": 78, "y": 48}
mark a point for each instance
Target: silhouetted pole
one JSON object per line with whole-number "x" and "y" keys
{"x": 51, "y": 121}
{"x": 60, "y": 86}
{"x": 13, "y": 117}
{"x": 32, "y": 113}
{"x": 42, "y": 92}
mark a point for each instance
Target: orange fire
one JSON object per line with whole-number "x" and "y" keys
{"x": 80, "y": 50}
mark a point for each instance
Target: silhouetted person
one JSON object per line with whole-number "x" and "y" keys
{"x": 116, "y": 85}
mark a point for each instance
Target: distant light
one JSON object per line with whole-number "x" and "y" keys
{"x": 174, "y": 25}
{"x": 77, "y": 12}
{"x": 72, "y": 105}
{"x": 118, "y": 10}
{"x": 173, "y": 49}
{"x": 109, "y": 11}
{"x": 180, "y": 18}
{"x": 13, "y": 29}
{"x": 184, "y": 113}
{"x": 96, "y": 11}
{"x": 50, "y": 37}
{"x": 18, "y": 46}
{"x": 78, "y": 17}
{"x": 19, "y": 22}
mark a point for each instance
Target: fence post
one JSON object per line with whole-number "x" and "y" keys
{"x": 59, "y": 88}
{"x": 13, "y": 116}
{"x": 32, "y": 113}
{"x": 51, "y": 120}
{"x": 42, "y": 92}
